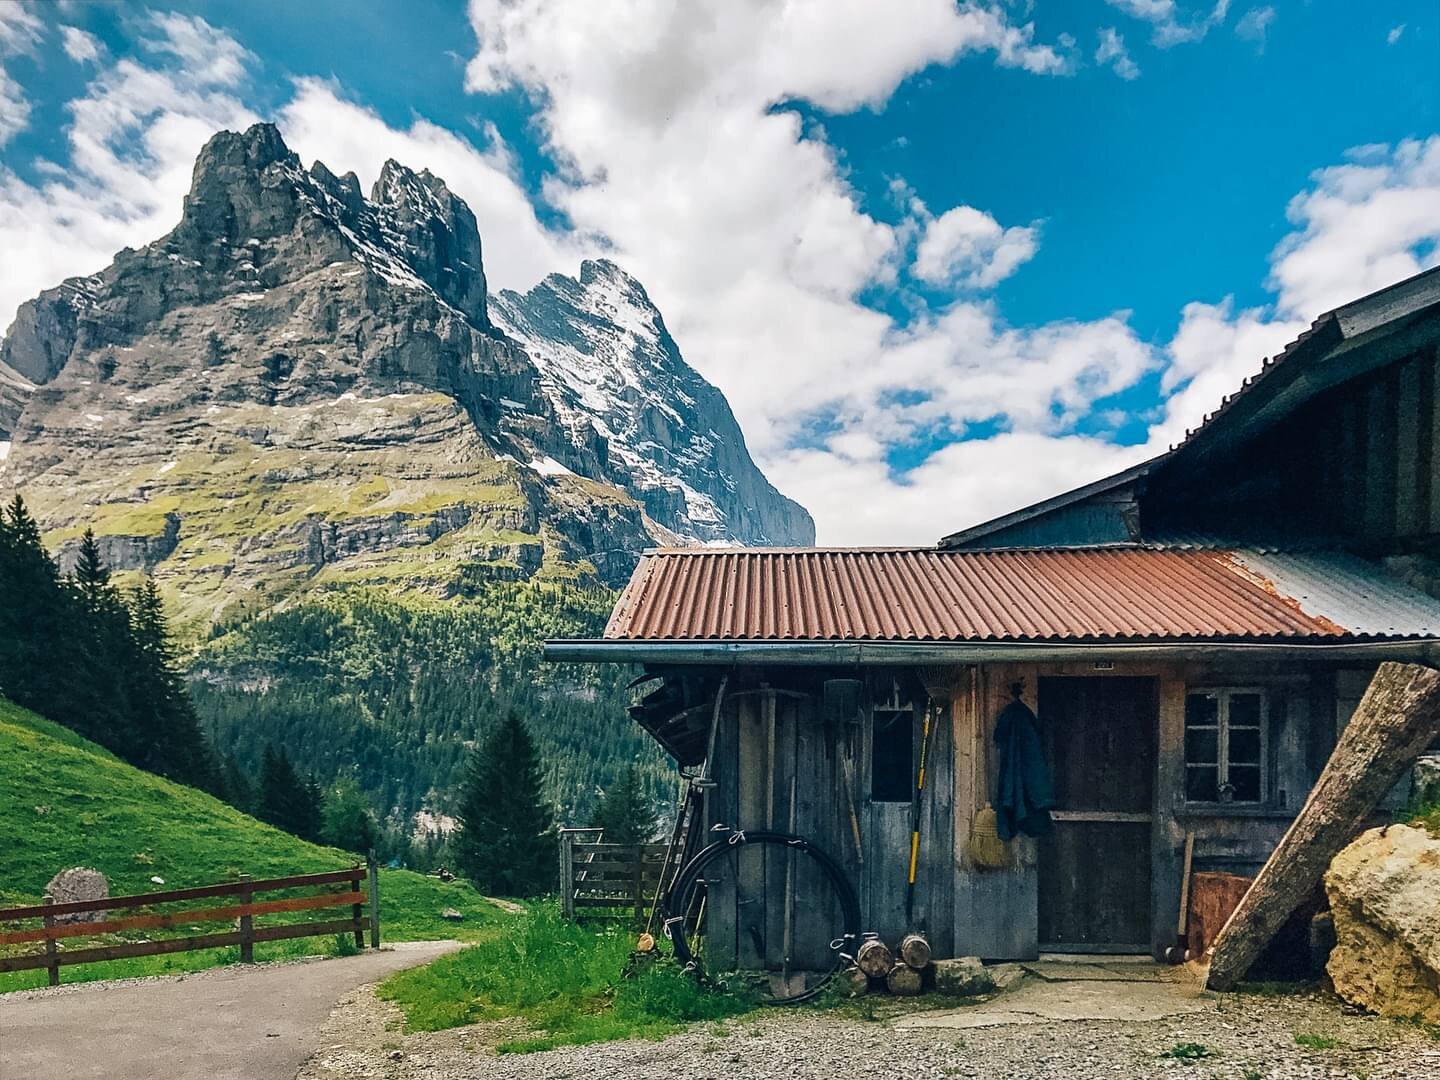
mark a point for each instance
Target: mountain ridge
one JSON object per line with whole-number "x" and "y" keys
{"x": 300, "y": 383}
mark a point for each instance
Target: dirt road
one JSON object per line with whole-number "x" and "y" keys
{"x": 230, "y": 1023}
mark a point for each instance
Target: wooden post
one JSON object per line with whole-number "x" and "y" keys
{"x": 567, "y": 873}
{"x": 374, "y": 868}
{"x": 247, "y": 926}
{"x": 1396, "y": 719}
{"x": 357, "y": 911}
{"x": 52, "y": 951}
{"x": 639, "y": 887}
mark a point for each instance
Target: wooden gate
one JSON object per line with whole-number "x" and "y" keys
{"x": 607, "y": 880}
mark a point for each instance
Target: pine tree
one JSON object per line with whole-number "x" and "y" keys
{"x": 165, "y": 719}
{"x": 38, "y": 661}
{"x": 91, "y": 575}
{"x": 624, "y": 813}
{"x": 283, "y": 798}
{"x": 506, "y": 843}
{"x": 348, "y": 824}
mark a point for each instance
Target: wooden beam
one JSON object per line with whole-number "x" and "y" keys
{"x": 1396, "y": 720}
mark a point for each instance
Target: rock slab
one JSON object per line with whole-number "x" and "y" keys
{"x": 1384, "y": 891}
{"x": 964, "y": 976}
{"x": 78, "y": 883}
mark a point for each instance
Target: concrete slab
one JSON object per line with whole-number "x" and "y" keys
{"x": 1036, "y": 1001}
{"x": 1102, "y": 971}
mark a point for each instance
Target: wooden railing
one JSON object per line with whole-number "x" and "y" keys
{"x": 338, "y": 888}
{"x": 598, "y": 879}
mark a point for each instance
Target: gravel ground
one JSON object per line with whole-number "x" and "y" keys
{"x": 1246, "y": 1036}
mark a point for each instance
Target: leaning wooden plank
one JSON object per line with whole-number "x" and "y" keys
{"x": 1396, "y": 720}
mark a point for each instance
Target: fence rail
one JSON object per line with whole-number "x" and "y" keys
{"x": 335, "y": 889}
{"x": 608, "y": 879}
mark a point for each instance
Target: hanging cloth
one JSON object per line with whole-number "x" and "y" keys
{"x": 1024, "y": 794}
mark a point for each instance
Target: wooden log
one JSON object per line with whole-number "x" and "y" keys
{"x": 915, "y": 951}
{"x": 903, "y": 981}
{"x": 1395, "y": 721}
{"x": 853, "y": 982}
{"x": 874, "y": 958}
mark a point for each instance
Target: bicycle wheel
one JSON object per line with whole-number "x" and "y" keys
{"x": 790, "y": 906}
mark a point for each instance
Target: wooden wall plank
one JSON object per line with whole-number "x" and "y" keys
{"x": 1411, "y": 515}
{"x": 751, "y": 752}
{"x": 720, "y": 917}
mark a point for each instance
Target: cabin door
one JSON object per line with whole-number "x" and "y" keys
{"x": 1099, "y": 735}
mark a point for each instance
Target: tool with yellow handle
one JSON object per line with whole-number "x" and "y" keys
{"x": 915, "y": 816}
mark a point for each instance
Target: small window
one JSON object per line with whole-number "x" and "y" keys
{"x": 892, "y": 748}
{"x": 1225, "y": 746}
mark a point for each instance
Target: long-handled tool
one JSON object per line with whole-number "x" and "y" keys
{"x": 1176, "y": 953}
{"x": 915, "y": 816}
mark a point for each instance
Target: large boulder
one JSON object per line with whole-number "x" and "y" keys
{"x": 1384, "y": 891}
{"x": 78, "y": 883}
{"x": 964, "y": 976}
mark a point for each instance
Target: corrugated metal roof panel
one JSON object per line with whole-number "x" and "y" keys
{"x": 1348, "y": 591}
{"x": 1100, "y": 594}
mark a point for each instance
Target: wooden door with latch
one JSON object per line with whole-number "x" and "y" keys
{"x": 1099, "y": 735}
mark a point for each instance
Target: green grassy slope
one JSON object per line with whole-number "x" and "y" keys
{"x": 65, "y": 802}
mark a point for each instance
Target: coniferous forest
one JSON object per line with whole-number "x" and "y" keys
{"x": 95, "y": 657}
{"x": 393, "y": 691}
{"x": 337, "y": 718}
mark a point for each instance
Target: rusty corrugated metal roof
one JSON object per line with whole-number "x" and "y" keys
{"x": 1100, "y": 594}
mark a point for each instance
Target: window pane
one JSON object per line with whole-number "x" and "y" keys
{"x": 1202, "y": 746}
{"x": 1245, "y": 710}
{"x": 1245, "y": 779}
{"x": 1201, "y": 709}
{"x": 891, "y": 750}
{"x": 1202, "y": 784}
{"x": 1245, "y": 746}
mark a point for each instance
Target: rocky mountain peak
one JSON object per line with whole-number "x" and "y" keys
{"x": 302, "y": 382}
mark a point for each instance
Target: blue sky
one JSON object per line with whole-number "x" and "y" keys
{"x": 958, "y": 256}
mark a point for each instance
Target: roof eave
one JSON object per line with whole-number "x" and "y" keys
{"x": 830, "y": 653}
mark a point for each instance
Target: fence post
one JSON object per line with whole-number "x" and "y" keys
{"x": 374, "y": 868}
{"x": 247, "y": 924}
{"x": 357, "y": 911}
{"x": 639, "y": 883}
{"x": 567, "y": 874}
{"x": 52, "y": 952}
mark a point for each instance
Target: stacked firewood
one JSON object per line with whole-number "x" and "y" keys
{"x": 877, "y": 967}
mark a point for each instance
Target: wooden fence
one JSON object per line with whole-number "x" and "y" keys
{"x": 339, "y": 888}
{"x": 609, "y": 880}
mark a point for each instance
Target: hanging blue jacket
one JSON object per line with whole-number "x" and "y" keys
{"x": 1024, "y": 792}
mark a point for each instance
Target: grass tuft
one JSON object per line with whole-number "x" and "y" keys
{"x": 1189, "y": 1051}
{"x": 565, "y": 980}
{"x": 1315, "y": 1041}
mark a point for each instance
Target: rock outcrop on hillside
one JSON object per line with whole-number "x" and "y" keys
{"x": 302, "y": 382}
{"x": 1384, "y": 891}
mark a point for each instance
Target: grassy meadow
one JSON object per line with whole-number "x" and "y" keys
{"x": 65, "y": 802}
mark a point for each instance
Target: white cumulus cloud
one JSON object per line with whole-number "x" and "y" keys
{"x": 1170, "y": 23}
{"x": 1112, "y": 52}
{"x": 79, "y": 45}
{"x": 133, "y": 136}
{"x": 968, "y": 246}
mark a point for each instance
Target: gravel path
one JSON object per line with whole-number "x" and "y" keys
{"x": 231, "y": 1023}
{"x": 1245, "y": 1037}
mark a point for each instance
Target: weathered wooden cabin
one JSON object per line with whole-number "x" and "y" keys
{"x": 1191, "y": 634}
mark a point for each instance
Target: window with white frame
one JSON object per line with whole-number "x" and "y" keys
{"x": 1225, "y": 745}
